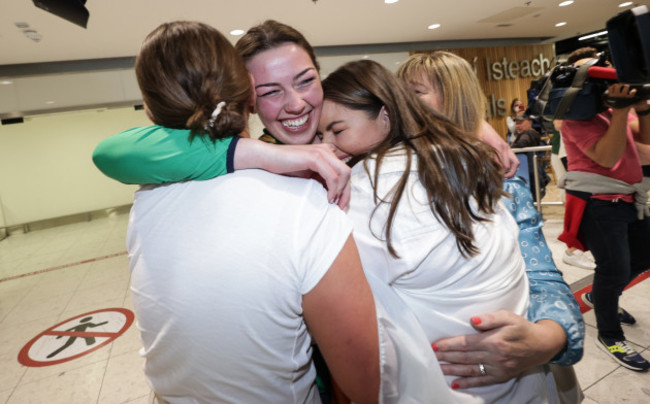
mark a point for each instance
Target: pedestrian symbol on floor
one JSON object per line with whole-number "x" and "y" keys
{"x": 83, "y": 324}
{"x": 76, "y": 337}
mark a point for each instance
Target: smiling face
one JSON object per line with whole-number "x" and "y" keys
{"x": 353, "y": 132}
{"x": 289, "y": 93}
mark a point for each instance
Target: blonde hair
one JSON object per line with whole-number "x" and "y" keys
{"x": 463, "y": 101}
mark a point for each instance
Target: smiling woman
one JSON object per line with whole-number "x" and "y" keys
{"x": 289, "y": 94}
{"x": 287, "y": 82}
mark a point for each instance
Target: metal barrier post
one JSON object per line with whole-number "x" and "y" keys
{"x": 537, "y": 189}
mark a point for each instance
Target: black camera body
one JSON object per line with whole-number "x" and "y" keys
{"x": 629, "y": 44}
{"x": 580, "y": 92}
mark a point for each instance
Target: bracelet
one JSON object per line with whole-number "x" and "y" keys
{"x": 643, "y": 113}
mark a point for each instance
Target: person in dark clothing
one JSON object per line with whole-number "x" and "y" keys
{"x": 525, "y": 135}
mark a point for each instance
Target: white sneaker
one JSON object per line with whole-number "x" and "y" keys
{"x": 578, "y": 259}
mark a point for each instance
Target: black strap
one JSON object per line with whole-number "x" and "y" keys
{"x": 576, "y": 85}
{"x": 542, "y": 98}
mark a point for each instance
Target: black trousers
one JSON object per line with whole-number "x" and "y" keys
{"x": 620, "y": 244}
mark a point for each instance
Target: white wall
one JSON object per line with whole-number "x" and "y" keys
{"x": 46, "y": 169}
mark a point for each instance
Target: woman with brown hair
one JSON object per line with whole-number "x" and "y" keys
{"x": 288, "y": 99}
{"x": 427, "y": 214}
{"x": 229, "y": 293}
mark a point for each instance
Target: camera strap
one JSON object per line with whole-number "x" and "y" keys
{"x": 576, "y": 85}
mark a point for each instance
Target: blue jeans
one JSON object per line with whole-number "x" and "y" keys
{"x": 620, "y": 244}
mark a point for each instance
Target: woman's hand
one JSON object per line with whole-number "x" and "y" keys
{"x": 506, "y": 345}
{"x": 307, "y": 161}
{"x": 507, "y": 157}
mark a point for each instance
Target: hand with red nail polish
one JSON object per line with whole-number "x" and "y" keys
{"x": 507, "y": 345}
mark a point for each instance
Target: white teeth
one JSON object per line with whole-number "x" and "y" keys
{"x": 295, "y": 123}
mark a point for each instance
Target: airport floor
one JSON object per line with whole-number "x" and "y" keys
{"x": 59, "y": 283}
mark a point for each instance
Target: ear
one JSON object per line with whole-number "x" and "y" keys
{"x": 384, "y": 116}
{"x": 253, "y": 98}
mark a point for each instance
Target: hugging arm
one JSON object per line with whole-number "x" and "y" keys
{"x": 507, "y": 158}
{"x": 340, "y": 314}
{"x": 508, "y": 344}
{"x": 157, "y": 155}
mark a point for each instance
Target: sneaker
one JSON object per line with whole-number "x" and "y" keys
{"x": 623, "y": 316}
{"x": 578, "y": 259}
{"x": 623, "y": 354}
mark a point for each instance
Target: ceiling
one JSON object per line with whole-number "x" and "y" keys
{"x": 117, "y": 27}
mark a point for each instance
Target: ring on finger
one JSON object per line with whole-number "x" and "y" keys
{"x": 481, "y": 367}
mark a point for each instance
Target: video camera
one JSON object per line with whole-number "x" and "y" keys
{"x": 580, "y": 92}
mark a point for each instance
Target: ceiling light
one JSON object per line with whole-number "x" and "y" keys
{"x": 50, "y": 102}
{"x": 582, "y": 38}
{"x": 625, "y": 4}
{"x": 433, "y": 26}
{"x": 390, "y": 1}
{"x": 32, "y": 34}
{"x": 6, "y": 82}
{"x": 566, "y": 3}
{"x": 560, "y": 24}
{"x": 237, "y": 32}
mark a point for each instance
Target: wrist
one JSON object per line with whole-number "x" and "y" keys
{"x": 642, "y": 112}
{"x": 553, "y": 336}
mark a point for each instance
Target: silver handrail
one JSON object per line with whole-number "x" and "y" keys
{"x": 538, "y": 188}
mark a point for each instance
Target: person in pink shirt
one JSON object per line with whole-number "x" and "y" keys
{"x": 607, "y": 211}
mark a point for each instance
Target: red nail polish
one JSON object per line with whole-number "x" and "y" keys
{"x": 435, "y": 347}
{"x": 454, "y": 386}
{"x": 476, "y": 320}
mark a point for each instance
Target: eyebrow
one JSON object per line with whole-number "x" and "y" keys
{"x": 296, "y": 77}
{"x": 328, "y": 127}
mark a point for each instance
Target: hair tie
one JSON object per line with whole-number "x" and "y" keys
{"x": 215, "y": 113}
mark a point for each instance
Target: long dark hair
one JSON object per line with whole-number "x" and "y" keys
{"x": 184, "y": 70}
{"x": 453, "y": 167}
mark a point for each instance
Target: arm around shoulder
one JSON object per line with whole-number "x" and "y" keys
{"x": 158, "y": 155}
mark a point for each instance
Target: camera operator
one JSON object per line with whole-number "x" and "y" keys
{"x": 606, "y": 210}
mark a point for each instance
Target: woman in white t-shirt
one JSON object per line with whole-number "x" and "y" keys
{"x": 427, "y": 213}
{"x": 234, "y": 278}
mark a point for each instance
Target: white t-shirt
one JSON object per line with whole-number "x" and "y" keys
{"x": 219, "y": 268}
{"x": 442, "y": 288}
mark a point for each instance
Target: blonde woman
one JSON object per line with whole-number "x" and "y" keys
{"x": 554, "y": 329}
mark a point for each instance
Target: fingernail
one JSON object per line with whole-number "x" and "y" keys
{"x": 454, "y": 386}
{"x": 435, "y": 347}
{"x": 476, "y": 320}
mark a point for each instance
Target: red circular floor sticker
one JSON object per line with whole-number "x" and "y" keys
{"x": 76, "y": 337}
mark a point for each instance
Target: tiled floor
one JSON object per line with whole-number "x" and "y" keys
{"x": 51, "y": 275}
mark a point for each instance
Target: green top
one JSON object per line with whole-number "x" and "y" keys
{"x": 157, "y": 155}
{"x": 555, "y": 142}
